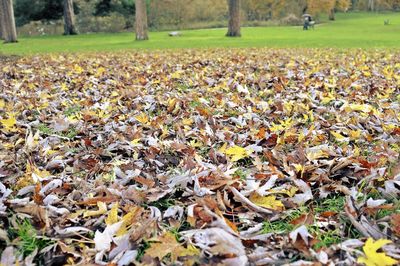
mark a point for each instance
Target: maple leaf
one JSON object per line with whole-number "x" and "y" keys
{"x": 317, "y": 152}
{"x": 78, "y": 69}
{"x": 32, "y": 140}
{"x": 327, "y": 99}
{"x": 32, "y": 176}
{"x": 269, "y": 202}
{"x": 223, "y": 148}
{"x": 112, "y": 217}
{"x": 289, "y": 192}
{"x": 339, "y": 137}
{"x": 167, "y": 244}
{"x": 187, "y": 121}
{"x": 237, "y": 153}
{"x": 374, "y": 258}
{"x": 9, "y": 123}
{"x": 195, "y": 144}
{"x": 102, "y": 210}
{"x": 142, "y": 118}
{"x": 128, "y": 219}
{"x": 355, "y": 134}
{"x": 298, "y": 167}
{"x": 365, "y": 108}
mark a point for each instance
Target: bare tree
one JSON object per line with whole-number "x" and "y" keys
{"x": 234, "y": 18}
{"x": 141, "y": 20}
{"x": 69, "y": 18}
{"x": 9, "y": 32}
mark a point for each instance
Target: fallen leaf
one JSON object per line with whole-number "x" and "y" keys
{"x": 10, "y": 122}
{"x": 237, "y": 153}
{"x": 112, "y": 217}
{"x": 102, "y": 210}
{"x": 373, "y": 257}
{"x": 269, "y": 202}
{"x": 166, "y": 244}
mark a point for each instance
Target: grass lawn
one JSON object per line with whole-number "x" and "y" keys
{"x": 352, "y": 30}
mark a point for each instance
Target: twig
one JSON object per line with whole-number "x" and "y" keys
{"x": 246, "y": 201}
{"x": 354, "y": 222}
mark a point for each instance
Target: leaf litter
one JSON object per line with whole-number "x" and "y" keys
{"x": 230, "y": 157}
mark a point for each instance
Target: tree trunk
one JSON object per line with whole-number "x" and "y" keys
{"x": 2, "y": 28}
{"x": 8, "y": 22}
{"x": 234, "y": 18}
{"x": 141, "y": 20}
{"x": 69, "y": 18}
{"x": 371, "y": 5}
{"x": 332, "y": 14}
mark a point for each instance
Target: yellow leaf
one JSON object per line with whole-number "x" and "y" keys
{"x": 112, "y": 217}
{"x": 195, "y": 144}
{"x": 301, "y": 137}
{"x": 171, "y": 104}
{"x": 327, "y": 99}
{"x": 339, "y": 137}
{"x": 37, "y": 174}
{"x": 223, "y": 148}
{"x": 128, "y": 220}
{"x": 361, "y": 107}
{"x": 64, "y": 87}
{"x": 108, "y": 176}
{"x": 269, "y": 202}
{"x": 187, "y": 121}
{"x": 237, "y": 153}
{"x": 102, "y": 210}
{"x": 142, "y": 118}
{"x": 135, "y": 142}
{"x": 374, "y": 258}
{"x": 167, "y": 245}
{"x": 282, "y": 125}
{"x": 9, "y": 123}
{"x": 290, "y": 192}
{"x": 367, "y": 74}
{"x": 2, "y": 103}
{"x": 389, "y": 127}
{"x": 78, "y": 69}
{"x": 275, "y": 127}
{"x": 114, "y": 94}
{"x": 8, "y": 146}
{"x": 316, "y": 154}
{"x": 356, "y": 151}
{"x": 189, "y": 251}
{"x": 100, "y": 71}
{"x": 288, "y": 106}
{"x": 32, "y": 176}
{"x": 354, "y": 134}
{"x": 32, "y": 140}
{"x": 298, "y": 167}
{"x": 177, "y": 74}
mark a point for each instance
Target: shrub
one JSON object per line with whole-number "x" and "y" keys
{"x": 291, "y": 19}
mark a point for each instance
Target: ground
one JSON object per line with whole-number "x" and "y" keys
{"x": 251, "y": 156}
{"x": 355, "y": 30}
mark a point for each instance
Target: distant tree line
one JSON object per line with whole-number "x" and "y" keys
{"x": 144, "y": 14}
{"x": 176, "y": 12}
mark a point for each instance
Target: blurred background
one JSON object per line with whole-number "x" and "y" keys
{"x": 44, "y": 17}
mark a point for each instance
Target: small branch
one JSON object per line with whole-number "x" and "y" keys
{"x": 354, "y": 222}
{"x": 247, "y": 202}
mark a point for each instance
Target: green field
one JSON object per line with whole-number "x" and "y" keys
{"x": 352, "y": 30}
